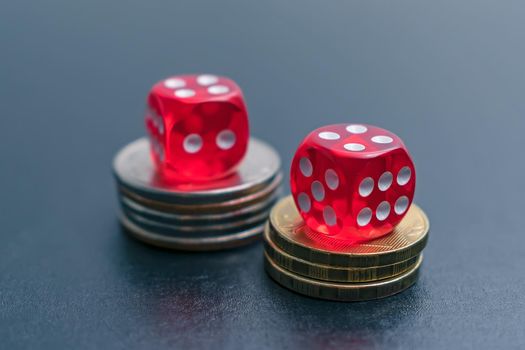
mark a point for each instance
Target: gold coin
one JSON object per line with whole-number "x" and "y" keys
{"x": 342, "y": 291}
{"x": 333, "y": 274}
{"x": 289, "y": 232}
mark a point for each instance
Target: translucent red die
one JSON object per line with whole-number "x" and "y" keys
{"x": 198, "y": 127}
{"x": 352, "y": 181}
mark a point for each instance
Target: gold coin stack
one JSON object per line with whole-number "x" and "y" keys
{"x": 315, "y": 265}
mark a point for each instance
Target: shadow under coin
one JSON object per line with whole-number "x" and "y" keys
{"x": 321, "y": 324}
{"x": 175, "y": 293}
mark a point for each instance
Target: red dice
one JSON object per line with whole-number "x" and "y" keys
{"x": 198, "y": 127}
{"x": 352, "y": 181}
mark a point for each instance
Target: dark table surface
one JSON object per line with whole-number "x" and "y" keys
{"x": 447, "y": 76}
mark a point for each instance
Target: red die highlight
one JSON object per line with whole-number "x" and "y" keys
{"x": 198, "y": 127}
{"x": 352, "y": 181}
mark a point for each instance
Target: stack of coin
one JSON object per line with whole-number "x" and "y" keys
{"x": 215, "y": 215}
{"x": 313, "y": 264}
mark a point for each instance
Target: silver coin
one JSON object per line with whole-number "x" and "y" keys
{"x": 134, "y": 170}
{"x": 194, "y": 231}
{"x": 193, "y": 244}
{"x": 207, "y": 208}
{"x": 197, "y": 219}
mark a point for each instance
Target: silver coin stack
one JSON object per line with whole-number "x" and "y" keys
{"x": 217, "y": 215}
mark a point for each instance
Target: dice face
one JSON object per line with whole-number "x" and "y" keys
{"x": 198, "y": 127}
{"x": 352, "y": 181}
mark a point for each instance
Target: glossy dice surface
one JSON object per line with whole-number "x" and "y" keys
{"x": 352, "y": 181}
{"x": 198, "y": 127}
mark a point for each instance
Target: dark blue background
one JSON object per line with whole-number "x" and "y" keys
{"x": 447, "y": 76}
